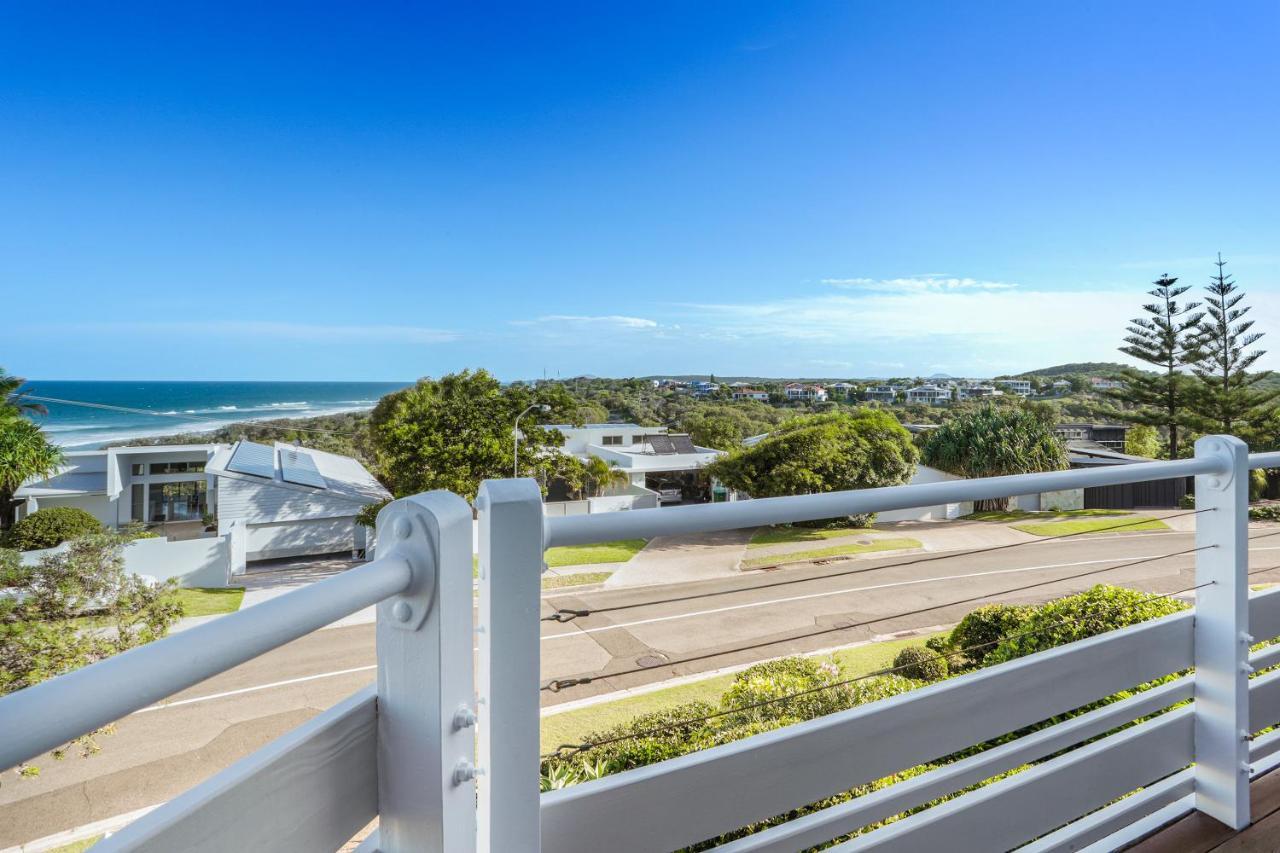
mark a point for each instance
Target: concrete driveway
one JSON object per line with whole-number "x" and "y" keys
{"x": 679, "y": 559}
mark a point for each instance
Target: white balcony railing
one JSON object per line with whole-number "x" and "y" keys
{"x": 444, "y": 749}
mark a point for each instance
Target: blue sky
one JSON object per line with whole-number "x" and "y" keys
{"x": 383, "y": 191}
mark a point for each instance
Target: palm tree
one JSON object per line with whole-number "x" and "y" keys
{"x": 24, "y": 453}
{"x": 14, "y": 401}
{"x": 992, "y": 442}
{"x": 604, "y": 475}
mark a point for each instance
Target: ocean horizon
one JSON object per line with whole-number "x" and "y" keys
{"x": 170, "y": 407}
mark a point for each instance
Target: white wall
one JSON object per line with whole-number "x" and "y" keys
{"x": 99, "y": 506}
{"x": 257, "y": 503}
{"x": 936, "y": 512}
{"x": 192, "y": 562}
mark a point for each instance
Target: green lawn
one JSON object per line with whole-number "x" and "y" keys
{"x": 77, "y": 846}
{"x": 604, "y": 552}
{"x": 558, "y": 581}
{"x": 1023, "y": 515}
{"x": 834, "y": 551}
{"x": 572, "y": 726}
{"x": 210, "y": 602}
{"x": 1130, "y": 524}
{"x": 784, "y": 533}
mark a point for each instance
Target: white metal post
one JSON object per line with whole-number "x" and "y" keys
{"x": 426, "y": 744}
{"x": 1221, "y": 634}
{"x": 509, "y": 664}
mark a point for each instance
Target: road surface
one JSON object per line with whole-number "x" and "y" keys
{"x": 158, "y": 752}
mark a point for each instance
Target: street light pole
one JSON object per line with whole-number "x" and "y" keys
{"x": 515, "y": 434}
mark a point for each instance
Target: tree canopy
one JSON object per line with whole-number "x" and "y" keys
{"x": 991, "y": 441}
{"x": 457, "y": 431}
{"x": 859, "y": 449}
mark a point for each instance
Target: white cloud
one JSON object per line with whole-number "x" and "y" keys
{"x": 562, "y": 323}
{"x": 287, "y": 331}
{"x": 927, "y": 283}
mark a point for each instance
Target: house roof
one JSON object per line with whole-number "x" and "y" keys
{"x": 344, "y": 478}
{"x": 70, "y": 482}
{"x": 1082, "y": 453}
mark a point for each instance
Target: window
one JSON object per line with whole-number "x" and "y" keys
{"x": 176, "y": 501}
{"x": 637, "y": 439}
{"x": 138, "y": 469}
{"x": 176, "y": 467}
{"x": 608, "y": 440}
{"x": 137, "y": 504}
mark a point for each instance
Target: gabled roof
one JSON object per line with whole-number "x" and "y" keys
{"x": 344, "y": 478}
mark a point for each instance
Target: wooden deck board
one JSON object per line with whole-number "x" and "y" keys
{"x": 1197, "y": 833}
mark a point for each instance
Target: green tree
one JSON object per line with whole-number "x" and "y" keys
{"x": 1228, "y": 395}
{"x": 1166, "y": 339}
{"x": 1142, "y": 440}
{"x": 454, "y": 432}
{"x": 74, "y": 608}
{"x": 25, "y": 453}
{"x": 858, "y": 449}
{"x": 992, "y": 441}
{"x": 603, "y": 475}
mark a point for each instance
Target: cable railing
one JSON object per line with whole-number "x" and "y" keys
{"x": 444, "y": 751}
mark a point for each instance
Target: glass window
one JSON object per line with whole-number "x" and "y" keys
{"x": 176, "y": 467}
{"x": 137, "y": 469}
{"x": 176, "y": 501}
{"x": 137, "y": 505}
{"x": 612, "y": 439}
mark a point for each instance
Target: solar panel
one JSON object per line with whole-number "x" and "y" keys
{"x": 683, "y": 444}
{"x": 661, "y": 444}
{"x": 255, "y": 459}
{"x": 298, "y": 467}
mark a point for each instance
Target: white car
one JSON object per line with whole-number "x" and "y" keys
{"x": 670, "y": 495}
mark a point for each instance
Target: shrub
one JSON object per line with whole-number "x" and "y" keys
{"x": 368, "y": 514}
{"x": 663, "y": 735}
{"x": 46, "y": 528}
{"x": 1265, "y": 512}
{"x": 777, "y": 678}
{"x": 921, "y": 663}
{"x": 940, "y": 644}
{"x": 12, "y": 572}
{"x": 1187, "y": 502}
{"x": 982, "y": 629}
{"x": 1077, "y": 617}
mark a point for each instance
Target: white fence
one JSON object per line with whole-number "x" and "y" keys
{"x": 204, "y": 562}
{"x": 412, "y": 749}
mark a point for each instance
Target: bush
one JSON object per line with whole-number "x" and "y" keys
{"x": 1077, "y": 617}
{"x": 921, "y": 663}
{"x": 368, "y": 514}
{"x": 1265, "y": 512}
{"x": 1187, "y": 502}
{"x": 46, "y": 528}
{"x": 12, "y": 572}
{"x": 776, "y": 678}
{"x": 982, "y": 629}
{"x": 664, "y": 734}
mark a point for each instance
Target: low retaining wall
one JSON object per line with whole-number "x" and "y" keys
{"x": 206, "y": 562}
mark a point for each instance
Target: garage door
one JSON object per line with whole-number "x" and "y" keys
{"x": 300, "y": 538}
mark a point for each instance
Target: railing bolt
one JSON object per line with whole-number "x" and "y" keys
{"x": 465, "y": 771}
{"x": 403, "y": 528}
{"x": 1245, "y": 769}
{"x": 1246, "y": 669}
{"x": 1246, "y": 638}
{"x": 402, "y": 612}
{"x": 464, "y": 718}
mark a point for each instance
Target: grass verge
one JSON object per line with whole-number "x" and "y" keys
{"x": 1132, "y": 524}
{"x": 573, "y": 726}
{"x": 210, "y": 602}
{"x": 785, "y": 533}
{"x": 604, "y": 552}
{"x": 1023, "y": 515}
{"x": 580, "y": 579}
{"x": 834, "y": 551}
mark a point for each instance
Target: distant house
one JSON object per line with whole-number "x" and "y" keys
{"x": 809, "y": 393}
{"x": 932, "y": 395}
{"x": 1109, "y": 436}
{"x": 883, "y": 393}
{"x": 1021, "y": 387}
{"x": 842, "y": 390}
{"x": 1100, "y": 384}
{"x": 293, "y": 501}
{"x": 751, "y": 394}
{"x": 976, "y": 392}
{"x": 1061, "y": 387}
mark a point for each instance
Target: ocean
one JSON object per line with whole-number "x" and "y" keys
{"x": 173, "y": 407}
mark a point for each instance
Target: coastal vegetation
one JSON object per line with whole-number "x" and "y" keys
{"x": 25, "y": 451}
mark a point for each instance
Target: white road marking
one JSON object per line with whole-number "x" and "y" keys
{"x": 285, "y": 683}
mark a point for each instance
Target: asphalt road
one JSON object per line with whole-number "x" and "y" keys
{"x": 156, "y": 753}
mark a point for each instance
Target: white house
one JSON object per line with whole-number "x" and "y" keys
{"x": 842, "y": 389}
{"x": 812, "y": 393}
{"x": 976, "y": 392}
{"x": 884, "y": 393}
{"x": 1021, "y": 387}
{"x": 1100, "y": 384}
{"x": 655, "y": 461}
{"x": 932, "y": 395}
{"x": 751, "y": 394}
{"x": 292, "y": 501}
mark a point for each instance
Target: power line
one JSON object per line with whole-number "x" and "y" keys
{"x": 186, "y": 417}
{"x": 570, "y": 750}
{"x": 569, "y": 614}
{"x": 558, "y": 684}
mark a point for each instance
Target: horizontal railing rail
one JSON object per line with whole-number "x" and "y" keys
{"x": 666, "y": 521}
{"x": 61, "y": 709}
